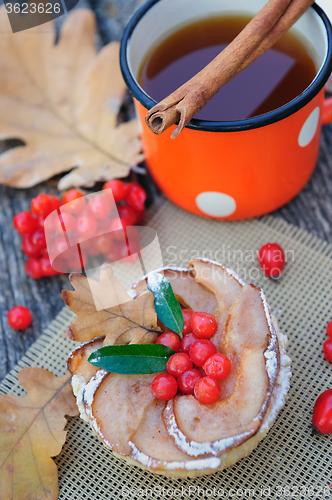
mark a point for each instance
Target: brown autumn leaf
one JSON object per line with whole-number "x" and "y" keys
{"x": 133, "y": 321}
{"x": 31, "y": 432}
{"x": 62, "y": 100}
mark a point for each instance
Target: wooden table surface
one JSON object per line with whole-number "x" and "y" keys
{"x": 311, "y": 210}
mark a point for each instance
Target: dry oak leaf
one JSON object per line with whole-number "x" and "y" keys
{"x": 127, "y": 321}
{"x": 62, "y": 100}
{"x": 31, "y": 432}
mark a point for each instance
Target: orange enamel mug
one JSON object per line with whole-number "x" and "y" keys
{"x": 235, "y": 169}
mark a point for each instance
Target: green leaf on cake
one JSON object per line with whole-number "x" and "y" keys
{"x": 132, "y": 359}
{"x": 166, "y": 304}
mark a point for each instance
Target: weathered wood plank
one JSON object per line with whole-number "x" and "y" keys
{"x": 312, "y": 208}
{"x": 42, "y": 296}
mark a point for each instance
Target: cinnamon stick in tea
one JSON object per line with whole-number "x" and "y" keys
{"x": 276, "y": 17}
{"x": 293, "y": 12}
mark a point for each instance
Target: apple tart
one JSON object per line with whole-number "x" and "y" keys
{"x": 182, "y": 437}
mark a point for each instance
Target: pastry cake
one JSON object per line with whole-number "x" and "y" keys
{"x": 183, "y": 437}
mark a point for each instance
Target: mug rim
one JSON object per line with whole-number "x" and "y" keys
{"x": 236, "y": 125}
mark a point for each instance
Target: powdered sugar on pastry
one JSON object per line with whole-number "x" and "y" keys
{"x": 209, "y": 456}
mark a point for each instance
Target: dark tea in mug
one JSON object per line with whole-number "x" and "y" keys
{"x": 273, "y": 80}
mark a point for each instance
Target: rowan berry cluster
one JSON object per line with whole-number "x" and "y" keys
{"x": 197, "y": 366}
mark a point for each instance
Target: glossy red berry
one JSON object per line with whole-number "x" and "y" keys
{"x": 58, "y": 246}
{"x": 207, "y": 390}
{"x": 188, "y": 379}
{"x": 19, "y": 317}
{"x": 24, "y": 223}
{"x": 187, "y": 342}
{"x": 114, "y": 253}
{"x": 29, "y": 249}
{"x": 121, "y": 250}
{"x": 89, "y": 248}
{"x": 41, "y": 205}
{"x": 71, "y": 195}
{"x": 187, "y": 315}
{"x": 73, "y": 201}
{"x": 329, "y": 329}
{"x": 38, "y": 239}
{"x": 322, "y": 414}
{"x": 74, "y": 260}
{"x": 46, "y": 268}
{"x": 65, "y": 222}
{"x": 40, "y": 222}
{"x": 32, "y": 269}
{"x": 136, "y": 196}
{"x": 140, "y": 216}
{"x": 164, "y": 386}
{"x": 128, "y": 213}
{"x": 218, "y": 366}
{"x": 86, "y": 226}
{"x": 103, "y": 242}
{"x": 271, "y": 258}
{"x": 44, "y": 252}
{"x": 100, "y": 206}
{"x": 119, "y": 189}
{"x": 56, "y": 202}
{"x": 117, "y": 228}
{"x": 170, "y": 339}
{"x": 201, "y": 350}
{"x": 178, "y": 363}
{"x": 327, "y": 348}
{"x": 103, "y": 225}
{"x": 203, "y": 325}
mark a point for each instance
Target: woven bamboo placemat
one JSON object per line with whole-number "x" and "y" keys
{"x": 290, "y": 461}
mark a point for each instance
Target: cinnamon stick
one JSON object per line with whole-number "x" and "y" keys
{"x": 293, "y": 12}
{"x": 271, "y": 22}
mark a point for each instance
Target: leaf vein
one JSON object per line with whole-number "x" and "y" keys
{"x": 34, "y": 419}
